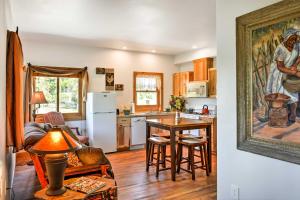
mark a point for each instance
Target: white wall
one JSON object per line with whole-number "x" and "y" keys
{"x": 124, "y": 63}
{"x": 258, "y": 177}
{"x": 196, "y": 54}
{"x": 2, "y": 101}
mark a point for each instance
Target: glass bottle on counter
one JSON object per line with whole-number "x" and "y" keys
{"x": 132, "y": 108}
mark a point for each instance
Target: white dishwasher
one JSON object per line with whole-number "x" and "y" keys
{"x": 138, "y": 131}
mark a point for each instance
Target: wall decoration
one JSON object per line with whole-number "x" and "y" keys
{"x": 109, "y": 79}
{"x": 119, "y": 87}
{"x": 100, "y": 70}
{"x": 268, "y": 81}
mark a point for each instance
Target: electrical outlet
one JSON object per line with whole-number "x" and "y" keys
{"x": 234, "y": 192}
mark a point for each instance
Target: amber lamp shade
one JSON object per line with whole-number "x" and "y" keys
{"x": 54, "y": 146}
{"x": 37, "y": 98}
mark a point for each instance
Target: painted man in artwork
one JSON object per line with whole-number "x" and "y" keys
{"x": 285, "y": 61}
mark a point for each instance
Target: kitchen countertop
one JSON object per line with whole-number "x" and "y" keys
{"x": 146, "y": 114}
{"x": 201, "y": 116}
{"x": 150, "y": 114}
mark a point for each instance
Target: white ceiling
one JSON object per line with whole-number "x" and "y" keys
{"x": 168, "y": 26}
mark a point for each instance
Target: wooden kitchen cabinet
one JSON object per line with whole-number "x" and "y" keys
{"x": 214, "y": 136}
{"x": 123, "y": 133}
{"x": 180, "y": 81}
{"x": 176, "y": 84}
{"x": 213, "y": 132}
{"x": 212, "y": 82}
{"x": 201, "y": 67}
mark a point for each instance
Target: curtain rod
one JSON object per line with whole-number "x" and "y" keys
{"x": 29, "y": 65}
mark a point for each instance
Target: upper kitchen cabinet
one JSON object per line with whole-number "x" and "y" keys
{"x": 201, "y": 67}
{"x": 180, "y": 81}
{"x": 212, "y": 84}
{"x": 176, "y": 84}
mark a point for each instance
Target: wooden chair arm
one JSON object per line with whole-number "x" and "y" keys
{"x": 104, "y": 169}
{"x": 70, "y": 171}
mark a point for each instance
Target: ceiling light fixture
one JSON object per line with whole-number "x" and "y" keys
{"x": 124, "y": 47}
{"x": 153, "y": 51}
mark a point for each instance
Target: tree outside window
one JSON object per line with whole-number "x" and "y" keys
{"x": 62, "y": 94}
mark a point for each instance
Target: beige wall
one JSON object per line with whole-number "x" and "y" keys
{"x": 258, "y": 177}
{"x": 2, "y": 100}
{"x": 123, "y": 62}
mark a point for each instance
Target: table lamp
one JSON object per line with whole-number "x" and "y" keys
{"x": 38, "y": 97}
{"x": 54, "y": 146}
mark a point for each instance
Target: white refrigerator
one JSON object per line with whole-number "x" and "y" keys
{"x": 101, "y": 120}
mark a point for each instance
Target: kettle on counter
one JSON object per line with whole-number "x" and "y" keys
{"x": 205, "y": 110}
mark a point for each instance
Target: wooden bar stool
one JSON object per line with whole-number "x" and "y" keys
{"x": 161, "y": 134}
{"x": 161, "y": 144}
{"x": 190, "y": 160}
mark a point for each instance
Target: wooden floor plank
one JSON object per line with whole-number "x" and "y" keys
{"x": 134, "y": 182}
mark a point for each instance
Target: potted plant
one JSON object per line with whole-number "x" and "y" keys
{"x": 177, "y": 104}
{"x": 126, "y": 110}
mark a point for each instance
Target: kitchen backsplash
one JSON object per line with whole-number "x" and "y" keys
{"x": 197, "y": 104}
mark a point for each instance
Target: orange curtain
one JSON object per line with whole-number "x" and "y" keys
{"x": 14, "y": 92}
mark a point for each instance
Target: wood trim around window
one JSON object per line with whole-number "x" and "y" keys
{"x": 160, "y": 93}
{"x": 67, "y": 116}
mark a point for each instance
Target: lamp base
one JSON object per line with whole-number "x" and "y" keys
{"x": 55, "y": 166}
{"x": 60, "y": 191}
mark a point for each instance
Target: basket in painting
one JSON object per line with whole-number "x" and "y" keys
{"x": 278, "y": 111}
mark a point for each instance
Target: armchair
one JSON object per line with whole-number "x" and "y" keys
{"x": 92, "y": 160}
{"x": 57, "y": 119}
{"x": 87, "y": 168}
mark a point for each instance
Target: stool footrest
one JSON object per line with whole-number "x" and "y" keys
{"x": 163, "y": 169}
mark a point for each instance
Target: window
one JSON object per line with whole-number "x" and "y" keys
{"x": 62, "y": 94}
{"x": 148, "y": 88}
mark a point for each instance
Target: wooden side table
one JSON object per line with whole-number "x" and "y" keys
{"x": 109, "y": 191}
{"x": 69, "y": 194}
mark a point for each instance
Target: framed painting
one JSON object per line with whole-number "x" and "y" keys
{"x": 109, "y": 79}
{"x": 100, "y": 70}
{"x": 119, "y": 87}
{"x": 268, "y": 81}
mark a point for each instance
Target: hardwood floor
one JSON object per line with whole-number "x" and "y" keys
{"x": 134, "y": 182}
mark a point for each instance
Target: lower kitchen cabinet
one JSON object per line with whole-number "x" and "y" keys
{"x": 213, "y": 133}
{"x": 131, "y": 131}
{"x": 123, "y": 134}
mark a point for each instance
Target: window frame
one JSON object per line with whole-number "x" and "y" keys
{"x": 158, "y": 106}
{"x": 80, "y": 115}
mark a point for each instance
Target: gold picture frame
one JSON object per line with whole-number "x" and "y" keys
{"x": 259, "y": 35}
